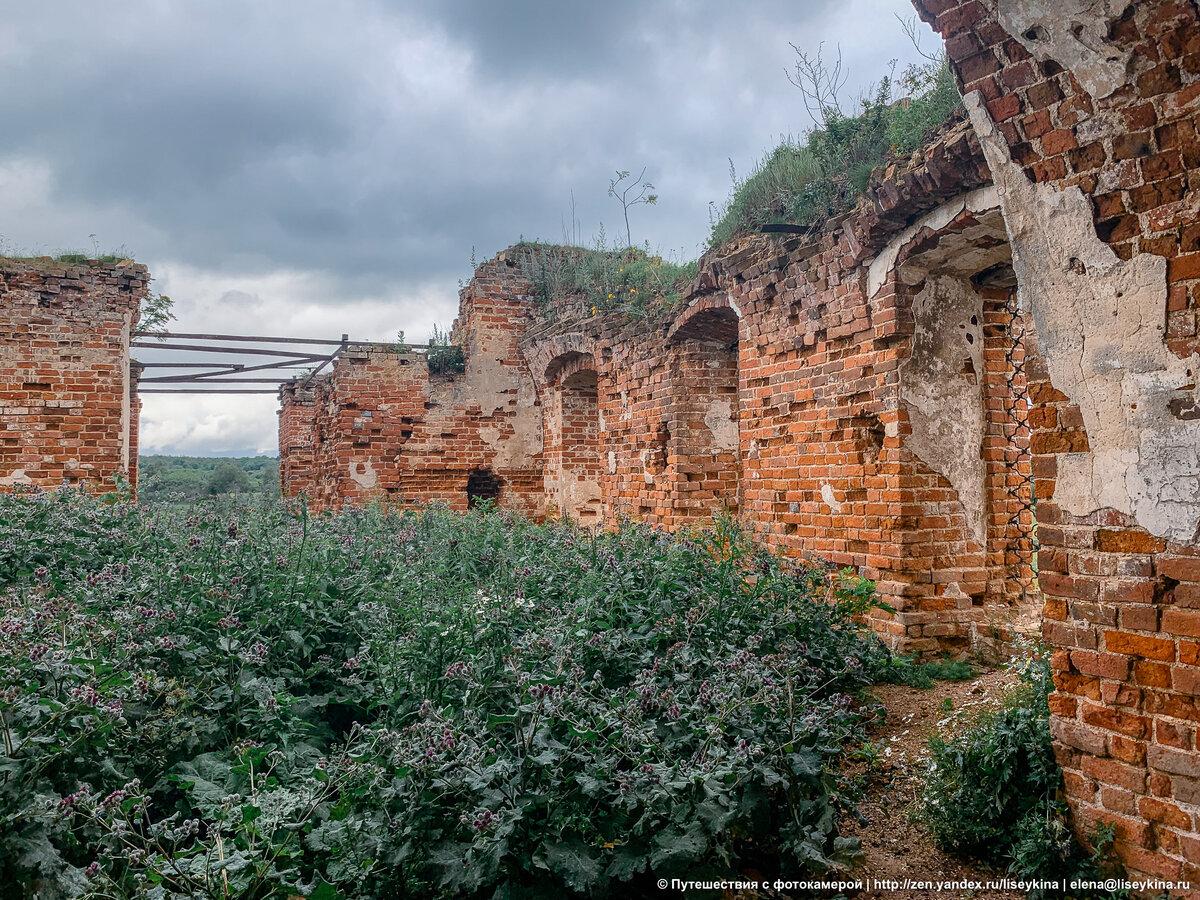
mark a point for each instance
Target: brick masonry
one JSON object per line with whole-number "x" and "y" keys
{"x": 383, "y": 426}
{"x": 1097, "y": 113}
{"x": 784, "y": 390}
{"x": 1010, "y": 318}
{"x": 68, "y": 393}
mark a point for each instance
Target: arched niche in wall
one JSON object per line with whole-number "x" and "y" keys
{"x": 704, "y": 434}
{"x": 572, "y": 437}
{"x": 964, "y": 420}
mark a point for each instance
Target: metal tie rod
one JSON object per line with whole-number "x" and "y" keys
{"x": 248, "y": 350}
{"x": 235, "y": 337}
{"x": 207, "y": 391}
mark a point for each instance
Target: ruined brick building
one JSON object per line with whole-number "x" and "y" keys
{"x": 68, "y": 386}
{"x": 1011, "y": 314}
{"x": 1010, "y": 317}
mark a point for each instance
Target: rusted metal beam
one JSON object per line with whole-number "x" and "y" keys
{"x": 235, "y": 369}
{"x": 252, "y": 351}
{"x": 262, "y": 339}
{"x": 332, "y": 356}
{"x": 213, "y": 380}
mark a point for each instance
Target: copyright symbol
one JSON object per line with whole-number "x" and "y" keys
{"x": 662, "y": 884}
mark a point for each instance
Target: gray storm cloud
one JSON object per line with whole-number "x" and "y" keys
{"x": 338, "y": 163}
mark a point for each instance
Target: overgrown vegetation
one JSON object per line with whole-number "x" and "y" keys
{"x": 156, "y": 312}
{"x": 922, "y": 674}
{"x": 237, "y": 703}
{"x": 992, "y": 791}
{"x": 631, "y": 280}
{"x": 183, "y": 479}
{"x": 807, "y": 182}
{"x": 444, "y": 357}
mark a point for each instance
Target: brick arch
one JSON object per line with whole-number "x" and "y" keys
{"x": 962, "y": 423}
{"x": 565, "y": 365}
{"x": 708, "y": 318}
{"x": 566, "y": 371}
{"x": 560, "y": 356}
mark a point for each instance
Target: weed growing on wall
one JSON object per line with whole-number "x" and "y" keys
{"x": 630, "y": 280}
{"x": 804, "y": 183}
{"x": 250, "y": 703}
{"x": 444, "y": 357}
{"x": 992, "y": 792}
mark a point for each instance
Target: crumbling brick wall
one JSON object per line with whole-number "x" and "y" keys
{"x": 665, "y": 415}
{"x": 1087, "y": 114}
{"x": 788, "y": 389}
{"x": 811, "y": 384}
{"x": 68, "y": 395}
{"x": 383, "y": 426}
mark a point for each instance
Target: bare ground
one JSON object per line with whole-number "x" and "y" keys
{"x": 897, "y": 848}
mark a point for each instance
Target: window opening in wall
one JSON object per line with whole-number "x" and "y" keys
{"x": 482, "y": 484}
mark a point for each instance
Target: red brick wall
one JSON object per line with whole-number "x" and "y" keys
{"x": 1122, "y": 604}
{"x": 67, "y": 397}
{"x": 382, "y": 426}
{"x": 777, "y": 391}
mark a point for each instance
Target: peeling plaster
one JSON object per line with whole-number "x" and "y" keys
{"x": 941, "y": 386}
{"x": 1073, "y": 33}
{"x": 18, "y": 476}
{"x": 580, "y": 496}
{"x": 363, "y": 474}
{"x": 979, "y": 200}
{"x": 722, "y": 422}
{"x": 830, "y": 500}
{"x": 517, "y": 449}
{"x": 492, "y": 384}
{"x": 1100, "y": 327}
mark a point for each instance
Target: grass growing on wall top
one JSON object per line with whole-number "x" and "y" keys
{"x": 631, "y": 280}
{"x": 805, "y": 182}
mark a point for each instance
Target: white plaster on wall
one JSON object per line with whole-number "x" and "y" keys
{"x": 941, "y": 386}
{"x": 721, "y": 420}
{"x": 830, "y": 500}
{"x": 1100, "y": 327}
{"x": 1073, "y": 33}
{"x": 363, "y": 474}
{"x": 18, "y": 476}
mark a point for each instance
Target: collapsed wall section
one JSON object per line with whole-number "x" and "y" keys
{"x": 1088, "y": 115}
{"x": 390, "y": 423}
{"x": 68, "y": 392}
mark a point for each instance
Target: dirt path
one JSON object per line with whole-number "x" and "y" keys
{"x": 896, "y": 848}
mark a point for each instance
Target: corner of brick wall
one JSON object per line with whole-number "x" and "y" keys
{"x": 68, "y": 399}
{"x": 1122, "y": 606}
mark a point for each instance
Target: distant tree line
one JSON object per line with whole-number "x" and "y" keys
{"x": 168, "y": 479}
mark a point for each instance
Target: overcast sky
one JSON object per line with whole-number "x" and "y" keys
{"x": 309, "y": 168}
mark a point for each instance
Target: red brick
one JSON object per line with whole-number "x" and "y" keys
{"x": 1139, "y": 645}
